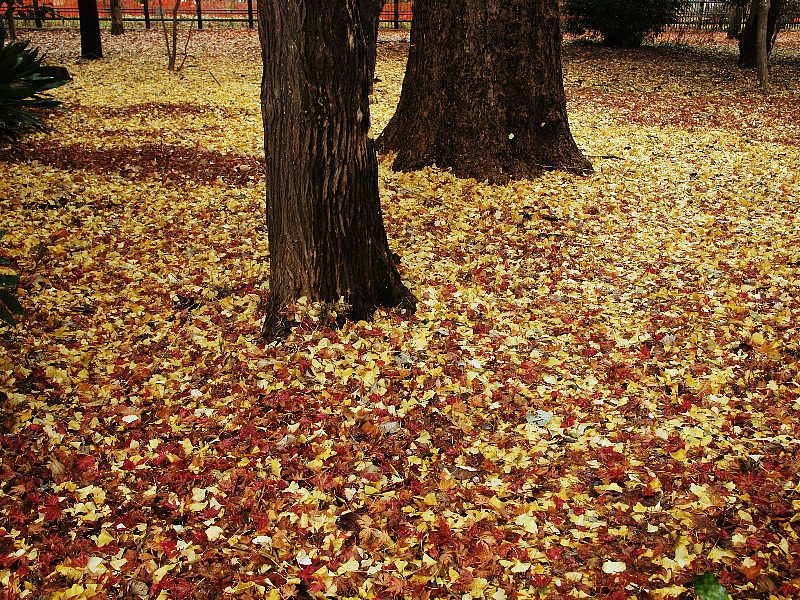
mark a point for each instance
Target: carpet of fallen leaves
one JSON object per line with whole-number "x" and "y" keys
{"x": 598, "y": 397}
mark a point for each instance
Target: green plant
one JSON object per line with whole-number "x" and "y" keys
{"x": 9, "y": 305}
{"x": 708, "y": 587}
{"x": 621, "y": 22}
{"x": 23, "y": 81}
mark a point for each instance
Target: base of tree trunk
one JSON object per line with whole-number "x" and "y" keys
{"x": 277, "y": 326}
{"x": 483, "y": 93}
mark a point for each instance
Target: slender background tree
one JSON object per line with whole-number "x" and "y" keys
{"x": 370, "y": 22}
{"x": 762, "y": 44}
{"x": 9, "y": 23}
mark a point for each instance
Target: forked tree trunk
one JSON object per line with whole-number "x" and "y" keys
{"x": 172, "y": 47}
{"x": 748, "y": 41}
{"x": 117, "y": 25}
{"x": 483, "y": 92}
{"x": 326, "y": 234}
{"x": 91, "y": 43}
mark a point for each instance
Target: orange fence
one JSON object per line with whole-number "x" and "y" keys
{"x": 697, "y": 14}
{"x": 395, "y": 14}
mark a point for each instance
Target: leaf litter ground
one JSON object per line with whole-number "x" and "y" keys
{"x": 598, "y": 397}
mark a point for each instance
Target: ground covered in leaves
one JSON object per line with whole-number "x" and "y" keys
{"x": 598, "y": 397}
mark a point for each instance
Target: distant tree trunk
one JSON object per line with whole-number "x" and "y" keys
{"x": 326, "y": 235}
{"x": 369, "y": 23}
{"x": 37, "y": 15}
{"x": 748, "y": 41}
{"x": 91, "y": 43}
{"x": 172, "y": 48}
{"x": 117, "y": 25}
{"x": 735, "y": 11}
{"x": 11, "y": 24}
{"x": 483, "y": 92}
{"x": 174, "y": 53}
{"x": 762, "y": 40}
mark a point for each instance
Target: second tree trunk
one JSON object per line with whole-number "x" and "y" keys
{"x": 483, "y": 93}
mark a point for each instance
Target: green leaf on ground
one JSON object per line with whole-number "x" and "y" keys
{"x": 708, "y": 587}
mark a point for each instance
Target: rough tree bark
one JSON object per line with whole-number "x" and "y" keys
{"x": 91, "y": 43}
{"x": 326, "y": 234}
{"x": 117, "y": 24}
{"x": 748, "y": 39}
{"x": 483, "y": 92}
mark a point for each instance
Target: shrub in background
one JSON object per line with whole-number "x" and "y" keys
{"x": 621, "y": 22}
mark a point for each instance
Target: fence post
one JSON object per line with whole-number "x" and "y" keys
{"x": 397, "y": 14}
{"x": 146, "y": 10}
{"x": 199, "y": 15}
{"x": 250, "y": 14}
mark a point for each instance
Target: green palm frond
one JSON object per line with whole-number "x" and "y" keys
{"x": 23, "y": 83}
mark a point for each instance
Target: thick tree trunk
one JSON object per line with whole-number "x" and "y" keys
{"x": 117, "y": 25}
{"x": 483, "y": 92}
{"x": 762, "y": 41}
{"x": 326, "y": 235}
{"x": 91, "y": 44}
{"x": 748, "y": 41}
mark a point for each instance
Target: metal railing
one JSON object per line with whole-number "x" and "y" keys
{"x": 703, "y": 15}
{"x": 395, "y": 15}
{"x": 716, "y": 15}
